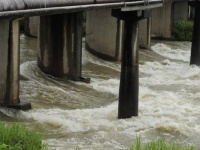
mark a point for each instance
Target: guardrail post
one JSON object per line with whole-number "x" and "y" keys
{"x": 9, "y": 65}
{"x": 195, "y": 50}
{"x": 129, "y": 80}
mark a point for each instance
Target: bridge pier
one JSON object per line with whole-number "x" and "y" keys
{"x": 195, "y": 50}
{"x": 60, "y": 45}
{"x": 31, "y": 26}
{"x": 129, "y": 80}
{"x": 9, "y": 65}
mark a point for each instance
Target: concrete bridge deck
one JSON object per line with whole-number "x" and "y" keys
{"x": 20, "y": 8}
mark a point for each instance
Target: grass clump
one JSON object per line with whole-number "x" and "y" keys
{"x": 17, "y": 137}
{"x": 160, "y": 144}
{"x": 182, "y": 30}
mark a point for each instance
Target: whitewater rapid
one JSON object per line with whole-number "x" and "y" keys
{"x": 74, "y": 114}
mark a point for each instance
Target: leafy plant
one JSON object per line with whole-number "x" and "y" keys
{"x": 182, "y": 30}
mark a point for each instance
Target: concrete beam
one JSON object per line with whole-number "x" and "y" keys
{"x": 108, "y": 45}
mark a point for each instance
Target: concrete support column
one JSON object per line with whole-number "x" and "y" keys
{"x": 60, "y": 45}
{"x": 31, "y": 26}
{"x": 195, "y": 51}
{"x": 129, "y": 80}
{"x": 145, "y": 33}
{"x": 9, "y": 65}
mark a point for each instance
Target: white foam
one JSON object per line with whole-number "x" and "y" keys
{"x": 109, "y": 86}
{"x": 175, "y": 54}
{"x": 169, "y": 106}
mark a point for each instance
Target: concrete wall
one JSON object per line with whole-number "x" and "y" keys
{"x": 180, "y": 10}
{"x": 145, "y": 33}
{"x": 161, "y": 21}
{"x": 163, "y": 17}
{"x": 103, "y": 34}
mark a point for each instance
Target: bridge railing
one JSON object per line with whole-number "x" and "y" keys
{"x": 20, "y": 8}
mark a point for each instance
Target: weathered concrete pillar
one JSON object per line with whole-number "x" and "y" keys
{"x": 145, "y": 33}
{"x": 162, "y": 20}
{"x": 60, "y": 45}
{"x": 195, "y": 51}
{"x": 9, "y": 65}
{"x": 31, "y": 26}
{"x": 129, "y": 80}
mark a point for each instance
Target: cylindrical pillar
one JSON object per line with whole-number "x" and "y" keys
{"x": 9, "y": 64}
{"x": 195, "y": 51}
{"x": 14, "y": 60}
{"x": 60, "y": 45}
{"x": 129, "y": 80}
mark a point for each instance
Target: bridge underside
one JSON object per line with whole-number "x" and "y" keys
{"x": 27, "y": 8}
{"x": 59, "y": 50}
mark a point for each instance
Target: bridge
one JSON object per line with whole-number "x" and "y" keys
{"x": 60, "y": 43}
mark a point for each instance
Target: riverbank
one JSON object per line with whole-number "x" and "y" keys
{"x": 17, "y": 137}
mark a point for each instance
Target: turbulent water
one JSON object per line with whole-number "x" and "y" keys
{"x": 75, "y": 114}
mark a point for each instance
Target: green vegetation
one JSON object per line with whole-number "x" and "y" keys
{"x": 17, "y": 137}
{"x": 160, "y": 144}
{"x": 182, "y": 30}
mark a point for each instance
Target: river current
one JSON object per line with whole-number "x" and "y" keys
{"x": 79, "y": 115}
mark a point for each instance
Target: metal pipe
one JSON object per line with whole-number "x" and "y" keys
{"x": 67, "y": 9}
